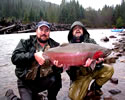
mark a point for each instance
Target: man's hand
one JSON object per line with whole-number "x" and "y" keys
{"x": 56, "y": 63}
{"x": 100, "y": 60}
{"x": 88, "y": 62}
{"x": 39, "y": 58}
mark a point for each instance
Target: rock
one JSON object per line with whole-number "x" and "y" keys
{"x": 122, "y": 34}
{"x": 112, "y": 36}
{"x": 105, "y": 39}
{"x": 122, "y": 60}
{"x": 114, "y": 80}
{"x": 118, "y": 54}
{"x": 116, "y": 43}
{"x": 114, "y": 91}
{"x": 108, "y": 98}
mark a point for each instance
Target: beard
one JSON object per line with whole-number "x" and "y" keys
{"x": 42, "y": 41}
{"x": 77, "y": 39}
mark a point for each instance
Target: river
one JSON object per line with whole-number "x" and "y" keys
{"x": 8, "y": 43}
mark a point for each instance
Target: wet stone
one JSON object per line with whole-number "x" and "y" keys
{"x": 114, "y": 80}
{"x": 112, "y": 36}
{"x": 105, "y": 39}
{"x": 118, "y": 54}
{"x": 108, "y": 98}
{"x": 115, "y": 91}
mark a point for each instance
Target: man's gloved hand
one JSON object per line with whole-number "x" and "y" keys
{"x": 99, "y": 61}
{"x": 91, "y": 63}
{"x": 88, "y": 62}
{"x": 39, "y": 58}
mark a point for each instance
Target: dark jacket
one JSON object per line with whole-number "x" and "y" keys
{"x": 23, "y": 56}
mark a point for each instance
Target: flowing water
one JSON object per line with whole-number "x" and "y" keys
{"x": 8, "y": 43}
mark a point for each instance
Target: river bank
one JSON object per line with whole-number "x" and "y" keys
{"x": 10, "y": 27}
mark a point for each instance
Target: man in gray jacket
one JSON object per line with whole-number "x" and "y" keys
{"x": 82, "y": 76}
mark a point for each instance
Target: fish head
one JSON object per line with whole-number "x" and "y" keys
{"x": 107, "y": 52}
{"x": 101, "y": 53}
{"x": 97, "y": 54}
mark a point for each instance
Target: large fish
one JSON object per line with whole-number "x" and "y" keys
{"x": 76, "y": 54}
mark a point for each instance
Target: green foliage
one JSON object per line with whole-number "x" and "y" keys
{"x": 119, "y": 22}
{"x": 107, "y": 15}
{"x": 70, "y": 12}
{"x": 90, "y": 16}
{"x": 67, "y": 12}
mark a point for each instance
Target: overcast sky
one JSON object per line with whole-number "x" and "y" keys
{"x": 95, "y": 4}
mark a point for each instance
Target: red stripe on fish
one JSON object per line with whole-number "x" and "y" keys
{"x": 97, "y": 54}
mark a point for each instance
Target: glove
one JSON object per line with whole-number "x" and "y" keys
{"x": 39, "y": 58}
{"x": 100, "y": 60}
{"x": 90, "y": 64}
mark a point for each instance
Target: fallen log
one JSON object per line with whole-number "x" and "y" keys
{"x": 1, "y": 27}
{"x": 26, "y": 31}
{"x": 8, "y": 27}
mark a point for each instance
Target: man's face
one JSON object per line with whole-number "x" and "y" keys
{"x": 77, "y": 31}
{"x": 43, "y": 33}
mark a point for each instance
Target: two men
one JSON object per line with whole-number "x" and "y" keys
{"x": 35, "y": 74}
{"x": 82, "y": 76}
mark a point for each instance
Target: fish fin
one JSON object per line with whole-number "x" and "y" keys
{"x": 64, "y": 44}
{"x": 93, "y": 64}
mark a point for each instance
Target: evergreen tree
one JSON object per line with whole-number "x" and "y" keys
{"x": 119, "y": 22}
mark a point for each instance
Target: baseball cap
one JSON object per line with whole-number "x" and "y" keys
{"x": 43, "y": 23}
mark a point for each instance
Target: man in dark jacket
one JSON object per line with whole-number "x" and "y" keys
{"x": 36, "y": 74}
{"x": 82, "y": 76}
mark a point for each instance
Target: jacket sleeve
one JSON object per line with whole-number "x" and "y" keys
{"x": 22, "y": 55}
